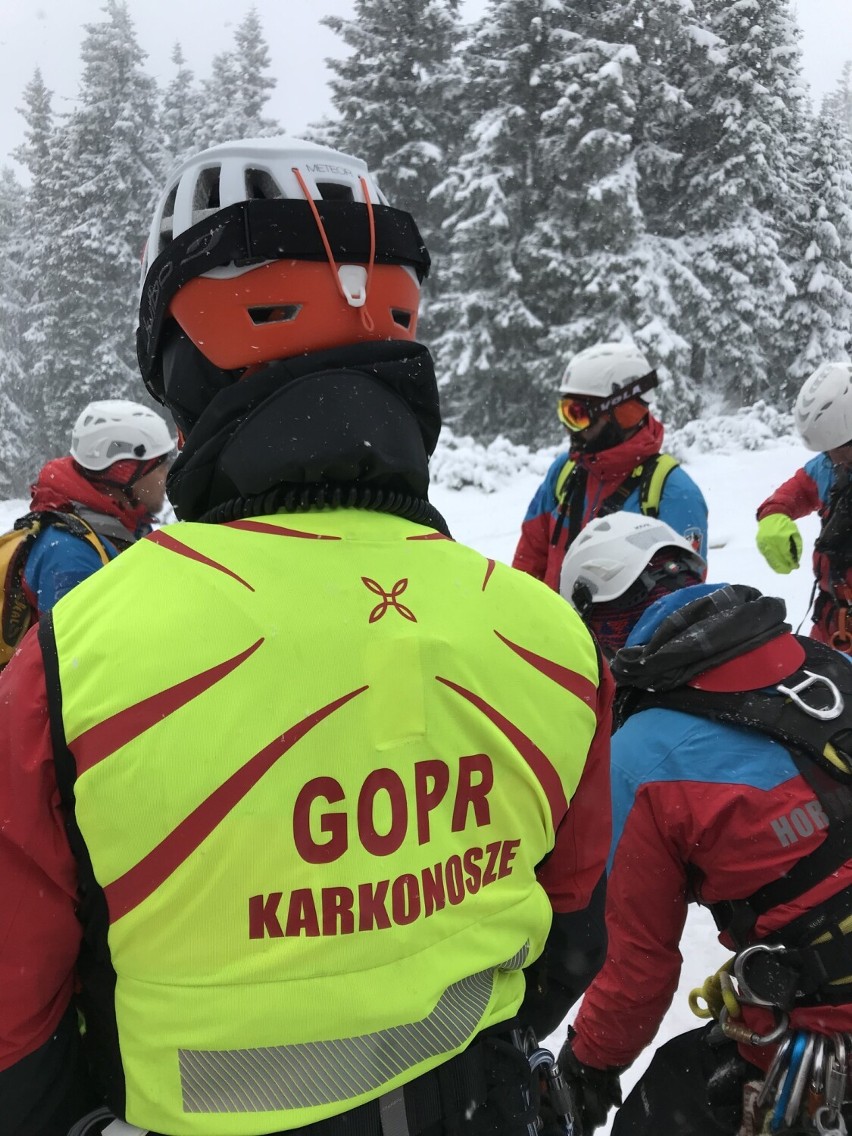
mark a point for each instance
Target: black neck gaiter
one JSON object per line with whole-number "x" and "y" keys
{"x": 362, "y": 418}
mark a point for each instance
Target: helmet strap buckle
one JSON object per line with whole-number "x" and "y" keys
{"x": 353, "y": 283}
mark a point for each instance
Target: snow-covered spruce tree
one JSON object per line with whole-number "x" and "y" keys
{"x": 397, "y": 95}
{"x": 234, "y": 95}
{"x": 17, "y": 458}
{"x": 819, "y": 317}
{"x": 613, "y": 146}
{"x": 839, "y": 101}
{"x": 41, "y": 237}
{"x": 105, "y": 179}
{"x": 180, "y": 113}
{"x": 491, "y": 313}
{"x": 739, "y": 192}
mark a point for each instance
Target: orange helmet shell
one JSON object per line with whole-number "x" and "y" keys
{"x": 291, "y": 307}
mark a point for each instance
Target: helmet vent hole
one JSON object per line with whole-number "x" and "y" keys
{"x": 279, "y": 313}
{"x": 118, "y": 447}
{"x": 334, "y": 191}
{"x": 206, "y": 194}
{"x": 261, "y": 185}
{"x": 401, "y": 317}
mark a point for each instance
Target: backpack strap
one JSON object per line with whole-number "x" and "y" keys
{"x": 654, "y": 474}
{"x": 563, "y": 479}
{"x": 16, "y": 611}
{"x": 615, "y": 502}
{"x": 571, "y": 490}
{"x": 571, "y": 494}
{"x": 73, "y": 524}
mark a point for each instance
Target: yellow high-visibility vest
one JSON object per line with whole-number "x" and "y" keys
{"x": 318, "y": 759}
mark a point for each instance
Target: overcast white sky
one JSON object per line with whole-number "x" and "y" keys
{"x": 47, "y": 34}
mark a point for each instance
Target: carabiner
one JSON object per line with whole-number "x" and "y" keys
{"x": 738, "y": 1032}
{"x": 746, "y": 993}
{"x": 793, "y": 692}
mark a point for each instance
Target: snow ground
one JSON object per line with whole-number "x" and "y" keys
{"x": 734, "y": 481}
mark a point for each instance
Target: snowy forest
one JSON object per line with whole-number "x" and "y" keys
{"x": 580, "y": 171}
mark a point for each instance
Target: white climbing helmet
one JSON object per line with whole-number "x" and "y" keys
{"x": 603, "y": 369}
{"x": 611, "y": 553}
{"x": 115, "y": 429}
{"x": 253, "y": 169}
{"x": 823, "y": 411}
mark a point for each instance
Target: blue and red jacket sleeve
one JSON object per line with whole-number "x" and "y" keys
{"x": 532, "y": 552}
{"x": 701, "y": 810}
{"x": 806, "y": 492}
{"x": 646, "y": 910}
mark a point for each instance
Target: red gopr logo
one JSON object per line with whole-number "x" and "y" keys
{"x": 389, "y": 600}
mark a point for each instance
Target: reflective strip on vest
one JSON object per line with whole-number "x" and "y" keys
{"x": 302, "y": 1076}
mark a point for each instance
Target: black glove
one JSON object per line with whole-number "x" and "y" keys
{"x": 595, "y": 1091}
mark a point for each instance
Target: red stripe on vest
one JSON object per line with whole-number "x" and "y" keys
{"x": 579, "y": 686}
{"x": 538, "y": 762}
{"x": 168, "y": 542}
{"x": 277, "y": 530}
{"x": 108, "y": 736}
{"x": 143, "y": 879}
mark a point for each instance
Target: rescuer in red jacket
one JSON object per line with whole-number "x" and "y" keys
{"x": 303, "y": 805}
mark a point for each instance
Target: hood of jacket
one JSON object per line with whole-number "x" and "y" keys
{"x": 60, "y": 485}
{"x": 365, "y": 416}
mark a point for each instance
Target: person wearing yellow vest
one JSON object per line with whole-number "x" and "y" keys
{"x": 614, "y": 462}
{"x": 311, "y": 802}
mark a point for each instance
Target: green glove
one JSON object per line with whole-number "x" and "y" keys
{"x": 780, "y": 541}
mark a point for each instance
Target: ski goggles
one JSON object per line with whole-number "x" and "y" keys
{"x": 578, "y": 413}
{"x": 575, "y": 413}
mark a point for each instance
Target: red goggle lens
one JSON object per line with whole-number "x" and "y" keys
{"x": 574, "y": 413}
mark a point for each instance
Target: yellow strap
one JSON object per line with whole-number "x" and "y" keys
{"x": 92, "y": 538}
{"x": 665, "y": 464}
{"x": 564, "y": 474}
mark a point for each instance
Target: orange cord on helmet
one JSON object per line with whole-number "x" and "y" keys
{"x": 366, "y": 320}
